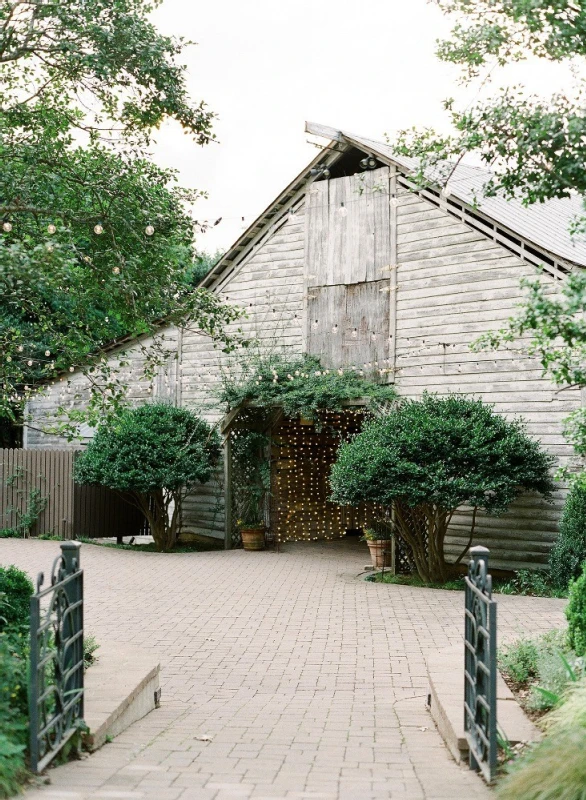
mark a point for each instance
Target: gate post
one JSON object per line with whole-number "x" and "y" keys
{"x": 480, "y": 669}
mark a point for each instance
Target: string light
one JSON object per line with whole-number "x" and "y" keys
{"x": 98, "y": 229}
{"x": 7, "y": 227}
{"x": 51, "y": 228}
{"x": 149, "y": 230}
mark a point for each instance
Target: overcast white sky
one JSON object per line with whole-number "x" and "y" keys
{"x": 265, "y": 66}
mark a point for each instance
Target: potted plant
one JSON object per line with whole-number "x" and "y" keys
{"x": 379, "y": 544}
{"x": 252, "y": 533}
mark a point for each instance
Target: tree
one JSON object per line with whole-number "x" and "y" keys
{"x": 427, "y": 458}
{"x": 96, "y": 242}
{"x": 534, "y": 148}
{"x": 157, "y": 453}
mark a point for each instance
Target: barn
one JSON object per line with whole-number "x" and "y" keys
{"x": 356, "y": 264}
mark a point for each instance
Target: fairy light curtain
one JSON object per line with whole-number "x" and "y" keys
{"x": 302, "y": 455}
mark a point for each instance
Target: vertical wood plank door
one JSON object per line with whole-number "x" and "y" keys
{"x": 347, "y": 259}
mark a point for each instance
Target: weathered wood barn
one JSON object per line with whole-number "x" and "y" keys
{"x": 353, "y": 263}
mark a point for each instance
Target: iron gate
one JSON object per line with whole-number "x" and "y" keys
{"x": 480, "y": 669}
{"x": 56, "y": 659}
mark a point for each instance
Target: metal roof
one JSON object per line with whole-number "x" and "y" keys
{"x": 544, "y": 225}
{"x": 547, "y": 225}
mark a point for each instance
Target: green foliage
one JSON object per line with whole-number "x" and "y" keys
{"x": 251, "y": 477}
{"x": 203, "y": 263}
{"x": 534, "y": 148}
{"x": 428, "y": 457}
{"x": 551, "y": 770}
{"x": 13, "y": 712}
{"x": 156, "y": 452}
{"x": 300, "y": 385}
{"x": 576, "y": 614}
{"x": 90, "y": 645}
{"x": 569, "y": 551}
{"x": 535, "y": 583}
{"x": 130, "y": 74}
{"x": 16, "y": 589}
{"x": 519, "y": 660}
{"x": 83, "y": 86}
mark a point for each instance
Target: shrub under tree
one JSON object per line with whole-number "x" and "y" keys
{"x": 576, "y": 614}
{"x": 156, "y": 453}
{"x": 429, "y": 457}
{"x": 569, "y": 552}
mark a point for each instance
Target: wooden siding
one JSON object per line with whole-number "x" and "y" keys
{"x": 453, "y": 285}
{"x": 269, "y": 286}
{"x": 347, "y": 268}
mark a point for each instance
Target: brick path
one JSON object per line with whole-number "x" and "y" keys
{"x": 284, "y": 676}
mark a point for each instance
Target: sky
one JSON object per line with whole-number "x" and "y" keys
{"x": 266, "y": 66}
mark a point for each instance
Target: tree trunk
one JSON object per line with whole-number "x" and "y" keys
{"x": 424, "y": 528}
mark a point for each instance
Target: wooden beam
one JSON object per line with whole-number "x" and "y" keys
{"x": 227, "y": 493}
{"x": 393, "y": 277}
{"x": 315, "y": 129}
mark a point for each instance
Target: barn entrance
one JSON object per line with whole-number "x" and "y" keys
{"x": 302, "y": 455}
{"x": 288, "y": 462}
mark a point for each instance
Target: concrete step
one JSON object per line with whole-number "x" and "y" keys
{"x": 120, "y": 688}
{"x": 445, "y": 670}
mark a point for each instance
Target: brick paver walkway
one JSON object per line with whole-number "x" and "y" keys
{"x": 284, "y": 676}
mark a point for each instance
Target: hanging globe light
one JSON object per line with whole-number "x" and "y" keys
{"x": 149, "y": 230}
{"x": 98, "y": 229}
{"x": 116, "y": 270}
{"x": 51, "y": 228}
{"x": 7, "y": 227}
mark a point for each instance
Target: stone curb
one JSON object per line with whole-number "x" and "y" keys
{"x": 445, "y": 670}
{"x": 120, "y": 689}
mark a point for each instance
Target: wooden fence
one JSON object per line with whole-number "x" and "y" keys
{"x": 39, "y": 484}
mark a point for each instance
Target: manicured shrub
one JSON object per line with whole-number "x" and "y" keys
{"x": 157, "y": 453}
{"x": 569, "y": 552}
{"x": 576, "y": 614}
{"x": 428, "y": 457}
{"x": 16, "y": 589}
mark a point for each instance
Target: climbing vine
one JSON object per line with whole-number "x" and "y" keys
{"x": 300, "y": 385}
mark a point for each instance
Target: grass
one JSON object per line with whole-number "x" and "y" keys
{"x": 524, "y": 582}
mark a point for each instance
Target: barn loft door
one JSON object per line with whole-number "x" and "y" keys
{"x": 348, "y": 253}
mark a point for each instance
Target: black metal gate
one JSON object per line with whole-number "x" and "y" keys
{"x": 56, "y": 660}
{"x": 480, "y": 670}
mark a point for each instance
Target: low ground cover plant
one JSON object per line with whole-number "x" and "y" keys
{"x": 540, "y": 669}
{"x": 555, "y": 768}
{"x": 426, "y": 458}
{"x": 156, "y": 453}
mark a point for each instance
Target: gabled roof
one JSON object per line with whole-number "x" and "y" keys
{"x": 546, "y": 226}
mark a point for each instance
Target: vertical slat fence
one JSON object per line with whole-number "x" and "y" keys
{"x": 70, "y": 510}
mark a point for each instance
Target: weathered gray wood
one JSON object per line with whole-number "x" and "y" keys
{"x": 228, "y": 492}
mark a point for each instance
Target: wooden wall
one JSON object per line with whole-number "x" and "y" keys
{"x": 453, "y": 285}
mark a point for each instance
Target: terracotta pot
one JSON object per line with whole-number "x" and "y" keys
{"x": 376, "y": 553}
{"x": 253, "y": 538}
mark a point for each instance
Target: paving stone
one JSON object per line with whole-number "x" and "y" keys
{"x": 309, "y": 682}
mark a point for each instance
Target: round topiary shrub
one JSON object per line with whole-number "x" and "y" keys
{"x": 576, "y": 614}
{"x": 427, "y": 457}
{"x": 569, "y": 551}
{"x": 16, "y": 589}
{"x": 156, "y": 453}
